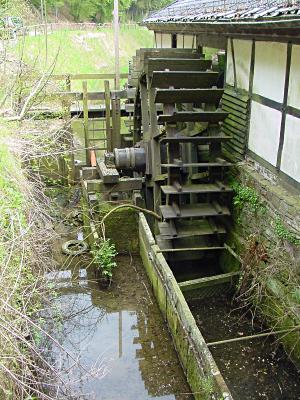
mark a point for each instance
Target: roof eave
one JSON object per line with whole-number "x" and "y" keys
{"x": 286, "y": 27}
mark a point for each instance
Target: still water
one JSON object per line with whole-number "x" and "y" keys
{"x": 117, "y": 336}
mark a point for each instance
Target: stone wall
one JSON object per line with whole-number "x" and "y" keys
{"x": 269, "y": 214}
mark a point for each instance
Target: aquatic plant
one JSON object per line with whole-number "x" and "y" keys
{"x": 104, "y": 254}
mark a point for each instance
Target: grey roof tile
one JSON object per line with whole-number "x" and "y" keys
{"x": 224, "y": 10}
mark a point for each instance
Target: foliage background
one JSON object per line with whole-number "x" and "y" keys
{"x": 86, "y": 10}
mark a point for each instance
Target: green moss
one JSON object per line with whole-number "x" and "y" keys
{"x": 285, "y": 234}
{"x": 121, "y": 227}
{"x": 245, "y": 195}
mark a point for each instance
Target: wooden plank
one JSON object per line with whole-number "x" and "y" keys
{"x": 240, "y": 139}
{"x": 232, "y": 106}
{"x": 180, "y": 250}
{"x": 176, "y": 64}
{"x": 196, "y": 188}
{"x": 237, "y": 95}
{"x": 211, "y": 96}
{"x": 236, "y": 113}
{"x": 231, "y": 131}
{"x": 239, "y": 121}
{"x": 236, "y": 101}
{"x": 198, "y": 165}
{"x": 183, "y": 79}
{"x": 81, "y": 77}
{"x": 192, "y": 210}
{"x": 109, "y": 143}
{"x": 209, "y": 281}
{"x": 86, "y": 122}
{"x": 196, "y": 139}
{"x": 108, "y": 175}
{"x": 120, "y": 94}
{"x": 235, "y": 125}
{"x": 186, "y": 116}
{"x": 89, "y": 173}
{"x": 232, "y": 147}
{"x": 116, "y": 123}
{"x": 187, "y": 229}
{"x": 124, "y": 185}
{"x": 168, "y": 53}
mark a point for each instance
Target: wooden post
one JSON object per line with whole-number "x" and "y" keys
{"x": 109, "y": 144}
{"x": 68, "y": 83}
{"x": 116, "y": 123}
{"x": 117, "y": 50}
{"x": 86, "y": 121}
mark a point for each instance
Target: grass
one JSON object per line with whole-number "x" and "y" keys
{"x": 82, "y": 51}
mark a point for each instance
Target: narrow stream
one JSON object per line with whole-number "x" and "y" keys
{"x": 118, "y": 334}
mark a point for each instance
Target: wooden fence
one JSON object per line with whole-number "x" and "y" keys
{"x": 68, "y": 78}
{"x": 36, "y": 30}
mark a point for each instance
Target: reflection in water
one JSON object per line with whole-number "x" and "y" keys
{"x": 121, "y": 328}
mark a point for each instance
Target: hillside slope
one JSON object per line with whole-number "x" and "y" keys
{"x": 70, "y": 52}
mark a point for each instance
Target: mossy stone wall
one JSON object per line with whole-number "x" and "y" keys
{"x": 270, "y": 213}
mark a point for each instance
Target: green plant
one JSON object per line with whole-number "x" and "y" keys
{"x": 104, "y": 254}
{"x": 207, "y": 387}
{"x": 245, "y": 195}
{"x": 283, "y": 233}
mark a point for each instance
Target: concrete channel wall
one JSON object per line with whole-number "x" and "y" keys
{"x": 197, "y": 362}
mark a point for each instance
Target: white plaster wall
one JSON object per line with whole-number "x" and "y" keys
{"x": 166, "y": 40}
{"x": 158, "y": 36}
{"x": 180, "y": 41}
{"x": 264, "y": 132}
{"x": 270, "y": 70}
{"x": 242, "y": 55}
{"x": 189, "y": 42}
{"x": 294, "y": 84}
{"x": 290, "y": 161}
{"x": 229, "y": 67}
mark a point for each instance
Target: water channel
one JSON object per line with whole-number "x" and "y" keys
{"x": 118, "y": 334}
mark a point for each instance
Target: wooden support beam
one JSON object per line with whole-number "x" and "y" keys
{"x": 116, "y": 123}
{"x": 116, "y": 39}
{"x": 124, "y": 185}
{"x": 107, "y": 117}
{"x": 108, "y": 175}
{"x": 180, "y": 250}
{"x": 89, "y": 173}
{"x": 81, "y": 77}
{"x": 208, "y": 281}
{"x": 86, "y": 122}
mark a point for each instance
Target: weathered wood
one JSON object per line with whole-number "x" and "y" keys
{"x": 188, "y": 95}
{"x": 107, "y": 117}
{"x": 81, "y": 77}
{"x": 176, "y": 64}
{"x": 196, "y": 139}
{"x": 86, "y": 121}
{"x": 197, "y": 188}
{"x": 108, "y": 175}
{"x": 208, "y": 281}
{"x": 124, "y": 185}
{"x": 188, "y": 229}
{"x": 89, "y": 173}
{"x": 193, "y": 116}
{"x": 117, "y": 45}
{"x": 198, "y": 165}
{"x": 236, "y": 101}
{"x": 120, "y": 94}
{"x": 192, "y": 211}
{"x": 184, "y": 79}
{"x": 116, "y": 123}
{"x": 180, "y": 250}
